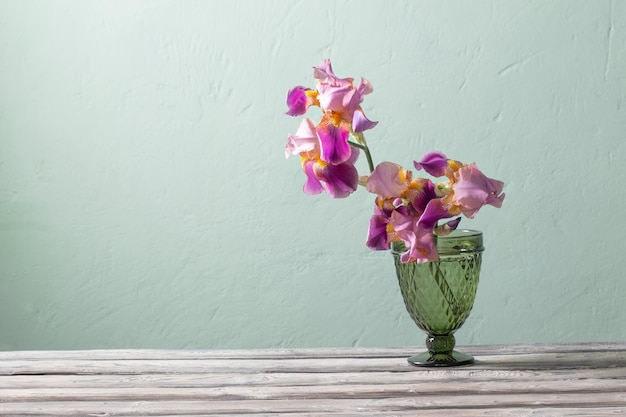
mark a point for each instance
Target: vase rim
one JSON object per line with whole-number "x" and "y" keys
{"x": 456, "y": 242}
{"x": 461, "y": 233}
{"x": 460, "y": 241}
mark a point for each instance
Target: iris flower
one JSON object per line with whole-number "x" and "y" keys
{"x": 339, "y": 100}
{"x": 327, "y": 156}
{"x": 338, "y": 180}
{"x": 400, "y": 204}
{"x": 467, "y": 188}
{"x": 299, "y": 99}
{"x": 473, "y": 190}
{"x": 409, "y": 210}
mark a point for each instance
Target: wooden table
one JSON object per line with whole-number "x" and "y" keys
{"x": 517, "y": 380}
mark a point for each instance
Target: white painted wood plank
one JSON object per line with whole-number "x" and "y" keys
{"x": 199, "y": 380}
{"x": 360, "y": 406}
{"x": 560, "y": 361}
{"x": 399, "y": 352}
{"x": 335, "y": 391}
{"x": 490, "y": 412}
{"x": 567, "y": 380}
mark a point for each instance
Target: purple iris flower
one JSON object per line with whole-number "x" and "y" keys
{"x": 339, "y": 181}
{"x": 419, "y": 240}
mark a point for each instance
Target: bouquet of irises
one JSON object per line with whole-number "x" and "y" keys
{"x": 407, "y": 209}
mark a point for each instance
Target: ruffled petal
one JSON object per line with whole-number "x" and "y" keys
{"x": 419, "y": 240}
{"x": 339, "y": 181}
{"x": 324, "y": 74}
{"x": 334, "y": 146}
{"x": 332, "y": 97}
{"x": 364, "y": 87}
{"x": 388, "y": 180}
{"x": 305, "y": 139}
{"x": 473, "y": 189}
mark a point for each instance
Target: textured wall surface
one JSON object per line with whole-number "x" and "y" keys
{"x": 145, "y": 200}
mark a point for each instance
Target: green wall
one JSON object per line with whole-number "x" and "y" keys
{"x": 145, "y": 200}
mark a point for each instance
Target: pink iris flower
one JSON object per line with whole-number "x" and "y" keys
{"x": 338, "y": 180}
{"x": 407, "y": 210}
{"x": 339, "y": 96}
{"x": 340, "y": 102}
{"x": 327, "y": 156}
{"x": 412, "y": 210}
{"x": 334, "y": 145}
{"x": 472, "y": 190}
{"x": 399, "y": 226}
{"x": 467, "y": 191}
{"x": 400, "y": 206}
{"x": 388, "y": 180}
{"x": 420, "y": 241}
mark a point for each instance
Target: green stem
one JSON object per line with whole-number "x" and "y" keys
{"x": 356, "y": 145}
{"x": 361, "y": 144}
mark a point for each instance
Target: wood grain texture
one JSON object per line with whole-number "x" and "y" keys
{"x": 516, "y": 380}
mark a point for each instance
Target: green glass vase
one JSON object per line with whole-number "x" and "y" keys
{"x": 439, "y": 295}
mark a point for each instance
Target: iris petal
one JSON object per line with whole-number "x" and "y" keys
{"x": 435, "y": 163}
{"x": 435, "y": 211}
{"x": 339, "y": 181}
{"x": 312, "y": 184}
{"x": 305, "y": 139}
{"x": 334, "y": 146}
{"x": 387, "y": 180}
{"x": 324, "y": 74}
{"x": 377, "y": 232}
{"x": 448, "y": 227}
{"x": 419, "y": 240}
{"x": 473, "y": 189}
{"x": 360, "y": 123}
{"x": 332, "y": 97}
{"x": 297, "y": 101}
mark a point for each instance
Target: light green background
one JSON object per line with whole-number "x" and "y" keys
{"x": 145, "y": 200}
